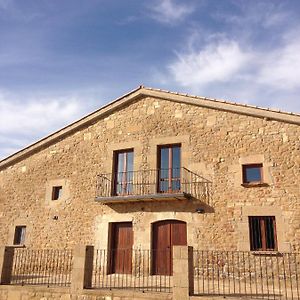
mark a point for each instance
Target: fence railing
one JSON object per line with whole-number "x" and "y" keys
{"x": 246, "y": 274}
{"x": 151, "y": 182}
{"x": 130, "y": 269}
{"x": 48, "y": 267}
{"x": 213, "y": 273}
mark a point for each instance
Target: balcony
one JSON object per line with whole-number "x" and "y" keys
{"x": 149, "y": 185}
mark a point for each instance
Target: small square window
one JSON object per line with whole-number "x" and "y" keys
{"x": 252, "y": 173}
{"x": 19, "y": 238}
{"x": 262, "y": 233}
{"x": 56, "y": 192}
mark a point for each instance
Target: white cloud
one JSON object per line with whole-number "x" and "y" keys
{"x": 167, "y": 11}
{"x": 27, "y": 117}
{"x": 280, "y": 68}
{"x": 255, "y": 59}
{"x": 262, "y": 13}
{"x": 227, "y": 69}
{"x": 217, "y": 62}
{"x": 226, "y": 61}
{"x": 22, "y": 123}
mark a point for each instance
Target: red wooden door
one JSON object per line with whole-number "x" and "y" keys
{"x": 165, "y": 235}
{"x": 121, "y": 247}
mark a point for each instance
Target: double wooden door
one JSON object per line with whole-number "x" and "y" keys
{"x": 121, "y": 248}
{"x": 165, "y": 235}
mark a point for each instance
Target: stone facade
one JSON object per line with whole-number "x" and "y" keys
{"x": 215, "y": 143}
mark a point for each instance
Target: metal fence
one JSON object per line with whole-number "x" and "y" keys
{"x": 129, "y": 269}
{"x": 246, "y": 274}
{"x": 48, "y": 267}
{"x": 150, "y": 182}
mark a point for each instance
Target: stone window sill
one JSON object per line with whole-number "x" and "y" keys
{"x": 267, "y": 253}
{"x": 16, "y": 246}
{"x": 254, "y": 184}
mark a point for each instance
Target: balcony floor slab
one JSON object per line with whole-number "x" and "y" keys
{"x": 138, "y": 198}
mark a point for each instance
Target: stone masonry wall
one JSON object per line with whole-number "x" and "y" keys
{"x": 216, "y": 143}
{"x": 44, "y": 293}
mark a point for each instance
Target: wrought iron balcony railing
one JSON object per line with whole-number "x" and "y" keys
{"x": 158, "y": 183}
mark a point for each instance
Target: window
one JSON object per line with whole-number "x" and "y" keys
{"x": 169, "y": 163}
{"x": 262, "y": 233}
{"x": 56, "y": 192}
{"x": 19, "y": 238}
{"x": 123, "y": 172}
{"x": 252, "y": 174}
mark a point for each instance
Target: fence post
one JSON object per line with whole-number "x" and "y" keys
{"x": 183, "y": 280}
{"x": 81, "y": 269}
{"x": 6, "y": 264}
{"x": 88, "y": 267}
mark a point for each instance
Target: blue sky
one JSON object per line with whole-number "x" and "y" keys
{"x": 61, "y": 59}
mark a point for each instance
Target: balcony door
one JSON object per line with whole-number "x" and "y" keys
{"x": 123, "y": 172}
{"x": 169, "y": 163}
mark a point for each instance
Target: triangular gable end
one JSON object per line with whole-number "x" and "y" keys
{"x": 142, "y": 92}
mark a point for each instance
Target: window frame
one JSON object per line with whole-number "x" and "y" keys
{"x": 57, "y": 191}
{"x": 19, "y": 235}
{"x": 125, "y": 182}
{"x": 244, "y": 174}
{"x": 170, "y": 179}
{"x": 263, "y": 233}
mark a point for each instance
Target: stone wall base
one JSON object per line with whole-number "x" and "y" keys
{"x": 9, "y": 292}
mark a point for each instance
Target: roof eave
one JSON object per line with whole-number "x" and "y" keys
{"x": 243, "y": 109}
{"x": 69, "y": 129}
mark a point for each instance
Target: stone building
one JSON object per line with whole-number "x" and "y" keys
{"x": 154, "y": 169}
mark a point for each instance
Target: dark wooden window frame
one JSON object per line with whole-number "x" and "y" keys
{"x": 55, "y": 192}
{"x": 263, "y": 233}
{"x": 248, "y": 166}
{"x": 18, "y": 238}
{"x": 170, "y": 179}
{"x": 115, "y": 170}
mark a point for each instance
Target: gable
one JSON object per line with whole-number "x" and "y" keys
{"x": 141, "y": 93}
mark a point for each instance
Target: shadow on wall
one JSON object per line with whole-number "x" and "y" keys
{"x": 187, "y": 205}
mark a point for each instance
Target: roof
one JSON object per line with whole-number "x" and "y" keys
{"x": 140, "y": 92}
